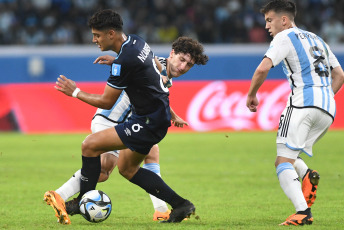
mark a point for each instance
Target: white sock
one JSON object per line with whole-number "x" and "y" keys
{"x": 291, "y": 185}
{"x": 300, "y": 167}
{"x": 159, "y": 205}
{"x": 71, "y": 187}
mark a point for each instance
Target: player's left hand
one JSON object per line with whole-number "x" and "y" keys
{"x": 164, "y": 79}
{"x": 65, "y": 85}
{"x": 104, "y": 60}
{"x": 178, "y": 122}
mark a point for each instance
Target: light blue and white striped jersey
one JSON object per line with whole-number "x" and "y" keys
{"x": 121, "y": 110}
{"x": 307, "y": 62}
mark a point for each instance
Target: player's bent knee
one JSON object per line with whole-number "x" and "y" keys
{"x": 88, "y": 148}
{"x": 85, "y": 148}
{"x": 127, "y": 173}
{"x": 124, "y": 173}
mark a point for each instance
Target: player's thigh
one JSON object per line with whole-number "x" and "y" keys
{"x": 138, "y": 136}
{"x": 153, "y": 155}
{"x": 294, "y": 127}
{"x": 100, "y": 142}
{"x": 299, "y": 129}
{"x": 322, "y": 122}
{"x": 99, "y": 123}
{"x": 292, "y": 133}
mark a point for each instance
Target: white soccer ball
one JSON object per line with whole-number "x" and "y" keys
{"x": 95, "y": 206}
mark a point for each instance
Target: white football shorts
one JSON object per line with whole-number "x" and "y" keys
{"x": 299, "y": 130}
{"x": 99, "y": 123}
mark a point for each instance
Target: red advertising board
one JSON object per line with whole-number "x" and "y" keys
{"x": 205, "y": 105}
{"x": 221, "y": 105}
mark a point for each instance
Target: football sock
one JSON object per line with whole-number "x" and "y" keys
{"x": 71, "y": 187}
{"x": 291, "y": 185}
{"x": 300, "y": 167}
{"x": 90, "y": 172}
{"x": 155, "y": 186}
{"x": 159, "y": 205}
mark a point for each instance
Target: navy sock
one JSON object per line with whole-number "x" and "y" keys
{"x": 154, "y": 185}
{"x": 90, "y": 172}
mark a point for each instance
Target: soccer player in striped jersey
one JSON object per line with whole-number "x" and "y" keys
{"x": 177, "y": 64}
{"x": 315, "y": 76}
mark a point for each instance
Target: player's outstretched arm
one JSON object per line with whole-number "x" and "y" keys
{"x": 104, "y": 60}
{"x": 176, "y": 120}
{"x": 103, "y": 101}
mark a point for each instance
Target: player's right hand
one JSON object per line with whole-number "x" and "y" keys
{"x": 252, "y": 103}
{"x": 65, "y": 85}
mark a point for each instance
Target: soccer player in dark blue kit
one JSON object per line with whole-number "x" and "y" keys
{"x": 134, "y": 71}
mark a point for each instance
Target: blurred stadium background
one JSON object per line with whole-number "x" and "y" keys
{"x": 41, "y": 39}
{"x": 38, "y": 22}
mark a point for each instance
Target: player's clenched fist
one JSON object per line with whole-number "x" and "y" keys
{"x": 252, "y": 103}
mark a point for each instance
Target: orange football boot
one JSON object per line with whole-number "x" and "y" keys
{"x": 299, "y": 218}
{"x": 57, "y": 203}
{"x": 161, "y": 215}
{"x": 310, "y": 185}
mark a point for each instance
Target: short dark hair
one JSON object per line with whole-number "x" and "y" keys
{"x": 280, "y": 6}
{"x": 106, "y": 19}
{"x": 190, "y": 46}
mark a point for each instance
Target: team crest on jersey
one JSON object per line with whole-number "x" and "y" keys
{"x": 116, "y": 70}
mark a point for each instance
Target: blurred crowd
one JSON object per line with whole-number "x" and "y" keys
{"x": 46, "y": 22}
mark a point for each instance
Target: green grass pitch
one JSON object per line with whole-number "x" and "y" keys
{"x": 229, "y": 176}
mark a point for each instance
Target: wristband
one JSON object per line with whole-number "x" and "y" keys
{"x": 75, "y": 92}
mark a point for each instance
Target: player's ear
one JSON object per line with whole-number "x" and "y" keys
{"x": 172, "y": 53}
{"x": 111, "y": 33}
{"x": 284, "y": 20}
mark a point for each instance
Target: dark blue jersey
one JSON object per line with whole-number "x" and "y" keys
{"x": 135, "y": 71}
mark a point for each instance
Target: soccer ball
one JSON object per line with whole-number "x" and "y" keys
{"x": 95, "y": 206}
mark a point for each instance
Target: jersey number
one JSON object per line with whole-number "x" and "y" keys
{"x": 320, "y": 65}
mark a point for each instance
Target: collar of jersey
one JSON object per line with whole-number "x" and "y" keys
{"x": 124, "y": 43}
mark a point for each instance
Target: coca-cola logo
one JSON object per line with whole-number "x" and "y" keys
{"x": 213, "y": 108}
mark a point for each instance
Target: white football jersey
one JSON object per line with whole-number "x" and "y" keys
{"x": 307, "y": 62}
{"x": 121, "y": 110}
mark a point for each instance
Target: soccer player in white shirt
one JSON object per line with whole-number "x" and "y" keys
{"x": 315, "y": 76}
{"x": 177, "y": 64}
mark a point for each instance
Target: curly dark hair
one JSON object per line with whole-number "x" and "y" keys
{"x": 190, "y": 46}
{"x": 106, "y": 19}
{"x": 280, "y": 6}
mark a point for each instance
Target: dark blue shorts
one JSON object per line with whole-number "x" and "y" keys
{"x": 139, "y": 137}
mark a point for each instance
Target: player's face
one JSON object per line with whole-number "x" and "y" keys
{"x": 274, "y": 23}
{"x": 179, "y": 64}
{"x": 102, "y": 38}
